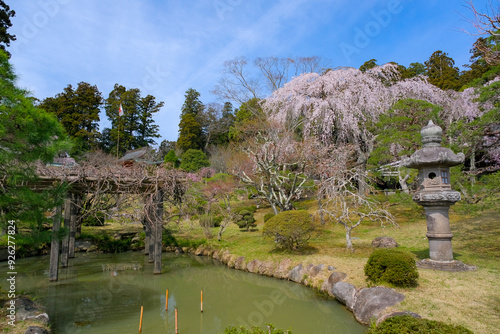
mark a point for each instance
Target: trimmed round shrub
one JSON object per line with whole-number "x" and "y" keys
{"x": 268, "y": 216}
{"x": 289, "y": 229}
{"x": 406, "y": 324}
{"x": 394, "y": 266}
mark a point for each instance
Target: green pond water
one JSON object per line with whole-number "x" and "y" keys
{"x": 103, "y": 293}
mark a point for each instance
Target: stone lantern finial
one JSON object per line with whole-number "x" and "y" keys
{"x": 431, "y": 135}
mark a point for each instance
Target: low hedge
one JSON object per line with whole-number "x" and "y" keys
{"x": 289, "y": 229}
{"x": 394, "y": 266}
{"x": 406, "y": 324}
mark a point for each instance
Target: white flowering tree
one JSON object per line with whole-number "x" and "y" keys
{"x": 341, "y": 106}
{"x": 277, "y": 167}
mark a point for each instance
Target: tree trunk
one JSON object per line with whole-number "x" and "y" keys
{"x": 361, "y": 175}
{"x": 402, "y": 182}
{"x": 54, "y": 246}
{"x": 151, "y": 247}
{"x": 348, "y": 239}
{"x": 158, "y": 231}
{"x": 275, "y": 210}
{"x": 151, "y": 225}
{"x": 320, "y": 209}
{"x": 65, "y": 239}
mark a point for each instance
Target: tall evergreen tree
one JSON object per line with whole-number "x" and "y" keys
{"x": 5, "y": 38}
{"x": 192, "y": 104}
{"x": 190, "y": 133}
{"x": 442, "y": 72}
{"x": 190, "y": 128}
{"x": 78, "y": 111}
{"x": 136, "y": 127}
{"x": 27, "y": 134}
{"x": 147, "y": 129}
{"x": 414, "y": 69}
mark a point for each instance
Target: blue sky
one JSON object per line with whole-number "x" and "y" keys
{"x": 164, "y": 47}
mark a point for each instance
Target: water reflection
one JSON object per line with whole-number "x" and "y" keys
{"x": 104, "y": 293}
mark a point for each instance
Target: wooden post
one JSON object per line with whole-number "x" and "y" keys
{"x": 54, "y": 246}
{"x": 151, "y": 224}
{"x": 201, "y": 300}
{"x": 79, "y": 201}
{"x": 140, "y": 321}
{"x": 158, "y": 228}
{"x": 176, "y": 328}
{"x": 147, "y": 239}
{"x": 72, "y": 226}
{"x": 166, "y": 300}
{"x": 65, "y": 239}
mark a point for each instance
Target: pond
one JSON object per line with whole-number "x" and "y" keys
{"x": 103, "y": 293}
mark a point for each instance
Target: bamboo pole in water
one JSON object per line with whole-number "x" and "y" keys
{"x": 166, "y": 300}
{"x": 140, "y": 321}
{"x": 201, "y": 300}
{"x": 176, "y": 328}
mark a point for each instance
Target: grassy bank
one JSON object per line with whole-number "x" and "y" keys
{"x": 471, "y": 299}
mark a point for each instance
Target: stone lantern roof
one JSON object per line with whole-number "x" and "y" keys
{"x": 433, "y": 154}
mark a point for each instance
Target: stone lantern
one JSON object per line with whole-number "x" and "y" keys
{"x": 436, "y": 196}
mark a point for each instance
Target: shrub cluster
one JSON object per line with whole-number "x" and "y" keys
{"x": 245, "y": 216}
{"x": 168, "y": 239}
{"x": 209, "y": 220}
{"x": 289, "y": 229}
{"x": 406, "y": 324}
{"x": 394, "y": 266}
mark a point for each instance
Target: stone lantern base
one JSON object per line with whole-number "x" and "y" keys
{"x": 453, "y": 265}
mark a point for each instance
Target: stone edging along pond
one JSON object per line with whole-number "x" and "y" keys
{"x": 367, "y": 304}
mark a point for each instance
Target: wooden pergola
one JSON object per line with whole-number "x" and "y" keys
{"x": 154, "y": 183}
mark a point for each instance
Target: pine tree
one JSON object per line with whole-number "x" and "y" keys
{"x": 27, "y": 134}
{"x": 5, "y": 38}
